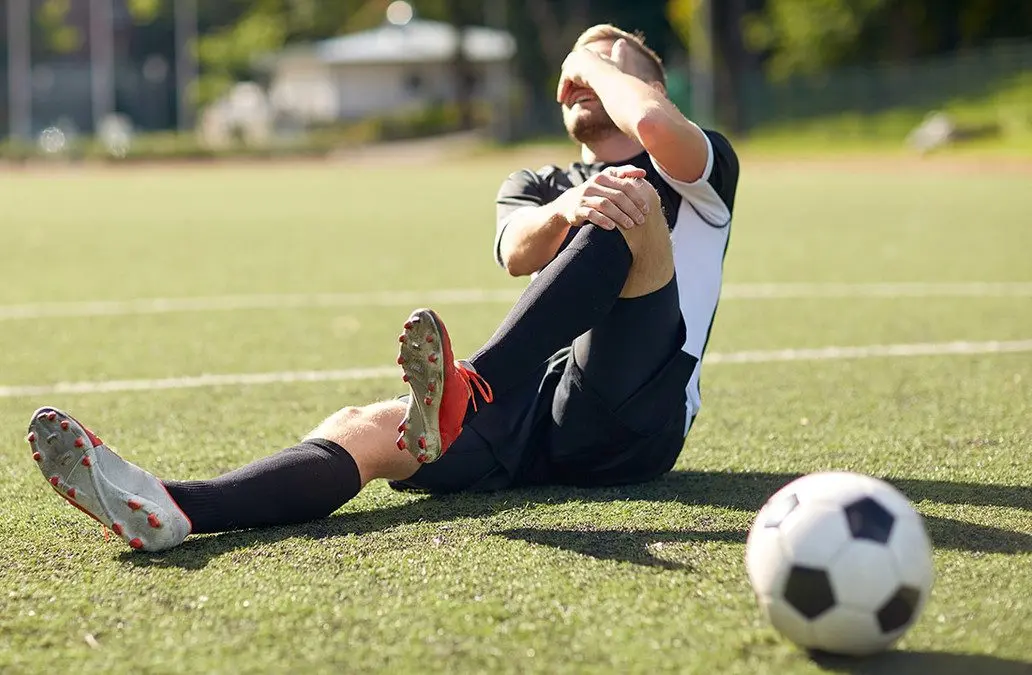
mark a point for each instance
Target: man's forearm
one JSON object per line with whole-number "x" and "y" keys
{"x": 531, "y": 239}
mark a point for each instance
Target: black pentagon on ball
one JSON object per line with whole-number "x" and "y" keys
{"x": 869, "y": 520}
{"x": 899, "y": 609}
{"x": 779, "y": 509}
{"x": 809, "y": 591}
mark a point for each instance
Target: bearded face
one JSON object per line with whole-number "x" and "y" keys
{"x": 585, "y": 119}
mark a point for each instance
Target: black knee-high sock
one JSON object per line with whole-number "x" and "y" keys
{"x": 306, "y": 482}
{"x": 569, "y": 297}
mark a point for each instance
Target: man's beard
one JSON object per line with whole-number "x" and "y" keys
{"x": 591, "y": 128}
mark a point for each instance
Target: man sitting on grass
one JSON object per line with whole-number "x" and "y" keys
{"x": 591, "y": 379}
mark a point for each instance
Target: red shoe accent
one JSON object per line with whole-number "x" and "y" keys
{"x": 431, "y": 387}
{"x": 456, "y": 391}
{"x": 64, "y": 425}
{"x": 153, "y": 521}
{"x": 38, "y": 457}
{"x": 401, "y": 360}
{"x": 71, "y": 492}
{"x": 421, "y": 443}
{"x": 79, "y": 443}
{"x": 402, "y": 428}
{"x": 31, "y": 438}
{"x": 86, "y": 461}
{"x": 54, "y": 480}
{"x": 51, "y": 416}
{"x": 429, "y": 338}
{"x": 408, "y": 325}
{"x": 432, "y": 358}
{"x": 402, "y": 445}
{"x": 133, "y": 504}
{"x": 405, "y": 377}
{"x": 428, "y": 400}
{"x": 117, "y": 529}
{"x": 420, "y": 458}
{"x": 136, "y": 543}
{"x": 401, "y": 338}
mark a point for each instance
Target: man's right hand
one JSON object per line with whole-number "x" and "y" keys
{"x": 616, "y": 197}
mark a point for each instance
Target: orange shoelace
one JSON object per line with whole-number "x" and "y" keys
{"x": 473, "y": 378}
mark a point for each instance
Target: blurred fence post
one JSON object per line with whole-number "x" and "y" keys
{"x": 102, "y": 60}
{"x": 186, "y": 61}
{"x": 702, "y": 65}
{"x": 19, "y": 69}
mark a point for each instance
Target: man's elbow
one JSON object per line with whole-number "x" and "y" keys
{"x": 515, "y": 266}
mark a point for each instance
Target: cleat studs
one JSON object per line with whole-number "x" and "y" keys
{"x": 64, "y": 425}
{"x": 428, "y": 401}
{"x": 429, "y": 338}
{"x": 54, "y": 480}
{"x": 133, "y": 504}
{"x": 79, "y": 443}
{"x": 401, "y": 360}
{"x": 408, "y": 325}
{"x": 52, "y": 416}
{"x": 401, "y": 338}
{"x": 431, "y": 386}
{"x": 136, "y": 543}
{"x": 432, "y": 358}
{"x": 405, "y": 377}
{"x": 31, "y": 438}
{"x": 117, "y": 529}
{"x": 86, "y": 461}
{"x": 153, "y": 521}
{"x": 422, "y": 443}
{"x": 402, "y": 445}
{"x": 38, "y": 457}
{"x": 71, "y": 493}
{"x": 421, "y": 457}
{"x": 402, "y": 428}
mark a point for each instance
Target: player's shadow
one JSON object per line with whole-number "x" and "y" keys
{"x": 742, "y": 491}
{"x": 923, "y": 663}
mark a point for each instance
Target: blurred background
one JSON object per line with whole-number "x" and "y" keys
{"x": 164, "y": 78}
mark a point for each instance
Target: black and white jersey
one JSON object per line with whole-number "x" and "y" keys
{"x": 699, "y": 217}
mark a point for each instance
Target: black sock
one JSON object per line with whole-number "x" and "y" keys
{"x": 569, "y": 297}
{"x": 299, "y": 484}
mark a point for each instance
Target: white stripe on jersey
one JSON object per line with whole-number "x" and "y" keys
{"x": 699, "y": 239}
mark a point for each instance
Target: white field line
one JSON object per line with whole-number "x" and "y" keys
{"x": 408, "y": 299}
{"x": 252, "y": 379}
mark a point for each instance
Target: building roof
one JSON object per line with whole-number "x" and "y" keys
{"x": 418, "y": 40}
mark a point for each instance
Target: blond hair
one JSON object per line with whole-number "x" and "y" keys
{"x": 636, "y": 40}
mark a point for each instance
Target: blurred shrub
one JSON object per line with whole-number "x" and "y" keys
{"x": 313, "y": 142}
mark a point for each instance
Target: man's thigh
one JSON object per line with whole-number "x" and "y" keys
{"x": 618, "y": 414}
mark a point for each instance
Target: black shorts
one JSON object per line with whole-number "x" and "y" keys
{"x": 559, "y": 428}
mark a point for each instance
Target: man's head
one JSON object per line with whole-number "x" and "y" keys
{"x": 585, "y": 119}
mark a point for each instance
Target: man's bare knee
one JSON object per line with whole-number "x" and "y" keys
{"x": 654, "y": 233}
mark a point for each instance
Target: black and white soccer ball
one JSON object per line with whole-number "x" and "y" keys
{"x": 840, "y": 563}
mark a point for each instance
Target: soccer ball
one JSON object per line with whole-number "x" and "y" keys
{"x": 840, "y": 563}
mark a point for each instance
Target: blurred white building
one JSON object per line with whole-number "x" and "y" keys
{"x": 387, "y": 70}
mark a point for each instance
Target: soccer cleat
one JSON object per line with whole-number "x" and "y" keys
{"x": 441, "y": 387}
{"x": 92, "y": 478}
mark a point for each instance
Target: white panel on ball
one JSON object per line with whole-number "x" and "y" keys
{"x": 912, "y": 552}
{"x": 845, "y": 630}
{"x": 789, "y": 623}
{"x": 765, "y": 561}
{"x": 814, "y": 535}
{"x": 863, "y": 575}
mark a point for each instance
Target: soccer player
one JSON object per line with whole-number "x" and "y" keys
{"x": 591, "y": 379}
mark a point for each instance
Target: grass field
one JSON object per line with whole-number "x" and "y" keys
{"x": 640, "y": 579}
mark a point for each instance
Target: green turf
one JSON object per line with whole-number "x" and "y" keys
{"x": 640, "y": 579}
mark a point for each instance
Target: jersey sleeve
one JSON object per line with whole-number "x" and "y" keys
{"x": 713, "y": 194}
{"x": 521, "y": 189}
